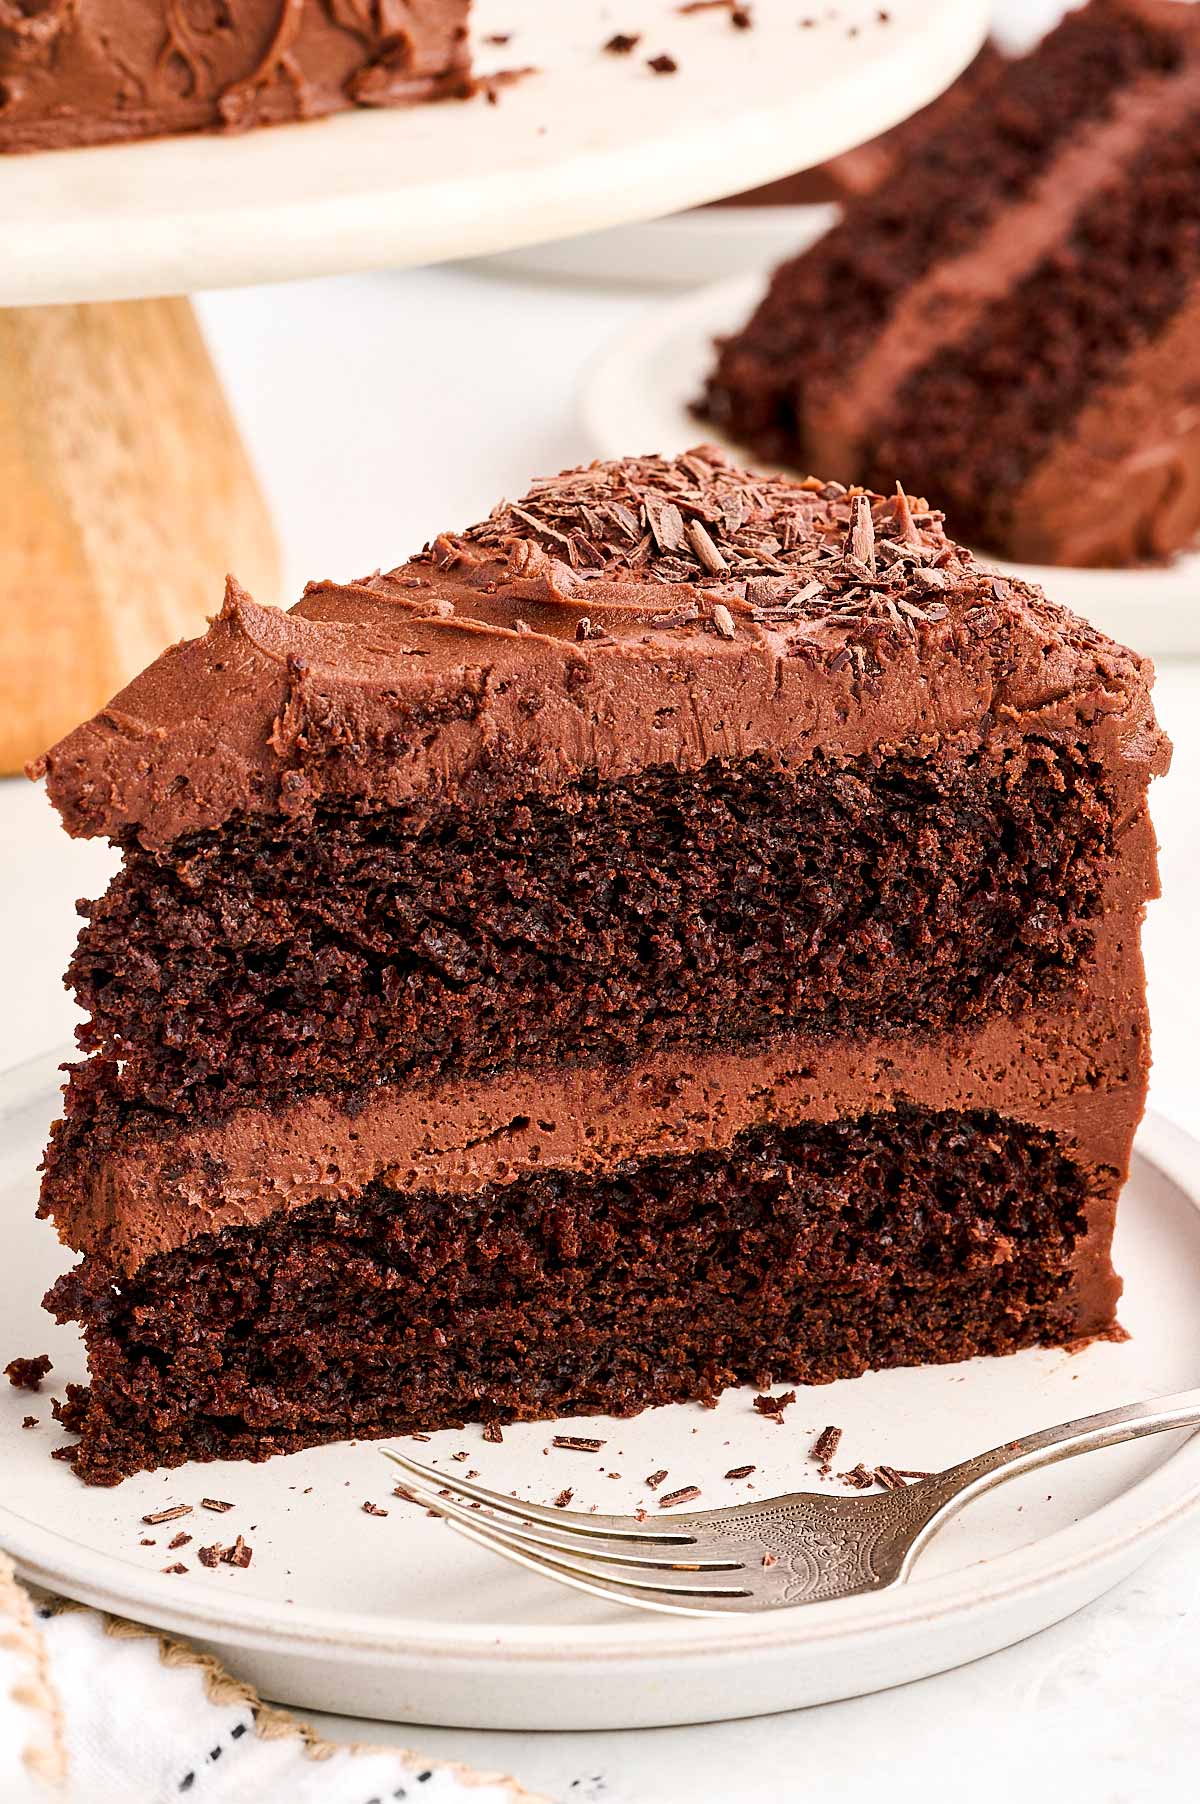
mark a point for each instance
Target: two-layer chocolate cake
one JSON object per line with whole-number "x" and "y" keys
{"x": 95, "y": 71}
{"x": 682, "y": 930}
{"x": 1011, "y": 320}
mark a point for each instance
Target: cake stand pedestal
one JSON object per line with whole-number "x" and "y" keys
{"x": 124, "y": 492}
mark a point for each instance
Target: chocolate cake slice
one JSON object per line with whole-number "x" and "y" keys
{"x": 97, "y": 71}
{"x": 1012, "y": 321}
{"x": 682, "y": 930}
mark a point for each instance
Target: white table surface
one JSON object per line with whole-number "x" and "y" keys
{"x": 382, "y": 409}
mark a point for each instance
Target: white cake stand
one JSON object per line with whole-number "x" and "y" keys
{"x": 125, "y": 493}
{"x": 588, "y": 139}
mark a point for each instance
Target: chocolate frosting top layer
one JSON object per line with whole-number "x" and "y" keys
{"x": 629, "y": 614}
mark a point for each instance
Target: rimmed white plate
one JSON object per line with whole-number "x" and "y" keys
{"x": 397, "y": 1618}
{"x": 589, "y": 140}
{"x": 637, "y": 395}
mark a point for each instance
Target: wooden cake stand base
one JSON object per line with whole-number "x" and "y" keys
{"x": 125, "y": 496}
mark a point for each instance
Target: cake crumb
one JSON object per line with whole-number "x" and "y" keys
{"x": 29, "y": 1422}
{"x": 491, "y": 1432}
{"x": 773, "y": 1407}
{"x": 860, "y": 1477}
{"x": 662, "y": 64}
{"x": 177, "y": 1567}
{"x": 622, "y": 43}
{"x": 27, "y": 1374}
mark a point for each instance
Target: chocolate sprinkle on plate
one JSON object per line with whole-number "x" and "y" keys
{"x": 825, "y": 1445}
{"x": 170, "y": 1515}
{"x": 684, "y": 1495}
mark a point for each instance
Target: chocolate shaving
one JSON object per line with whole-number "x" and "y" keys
{"x": 577, "y": 1443}
{"x": 179, "y": 1540}
{"x": 706, "y": 552}
{"x": 889, "y": 1478}
{"x": 622, "y": 42}
{"x": 859, "y": 1476}
{"x": 825, "y": 1445}
{"x": 170, "y": 1515}
{"x": 740, "y": 1471}
{"x": 655, "y": 1479}
{"x": 177, "y": 1567}
{"x": 860, "y": 535}
{"x": 373, "y": 1509}
{"x": 564, "y": 1497}
{"x": 684, "y": 1495}
{"x": 723, "y": 621}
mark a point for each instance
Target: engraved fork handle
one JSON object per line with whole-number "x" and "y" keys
{"x": 960, "y": 1484}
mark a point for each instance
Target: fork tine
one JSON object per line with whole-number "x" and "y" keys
{"x": 683, "y": 1599}
{"x": 626, "y": 1528}
{"x": 609, "y": 1552}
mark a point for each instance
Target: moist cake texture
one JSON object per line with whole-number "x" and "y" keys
{"x": 105, "y": 70}
{"x": 682, "y": 929}
{"x": 1012, "y": 320}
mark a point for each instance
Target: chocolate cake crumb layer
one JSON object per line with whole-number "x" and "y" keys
{"x": 961, "y": 273}
{"x": 718, "y": 907}
{"x": 812, "y": 1253}
{"x": 108, "y": 70}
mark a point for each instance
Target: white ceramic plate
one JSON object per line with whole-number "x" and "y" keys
{"x": 586, "y": 142}
{"x": 636, "y": 398}
{"x": 398, "y": 1618}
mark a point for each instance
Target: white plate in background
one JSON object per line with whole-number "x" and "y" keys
{"x": 398, "y": 1618}
{"x": 636, "y": 398}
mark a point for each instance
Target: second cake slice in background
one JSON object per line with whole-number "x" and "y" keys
{"x": 1012, "y": 319}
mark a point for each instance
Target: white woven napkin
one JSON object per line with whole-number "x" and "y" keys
{"x": 100, "y": 1711}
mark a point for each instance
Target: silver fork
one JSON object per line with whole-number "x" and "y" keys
{"x": 798, "y": 1549}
